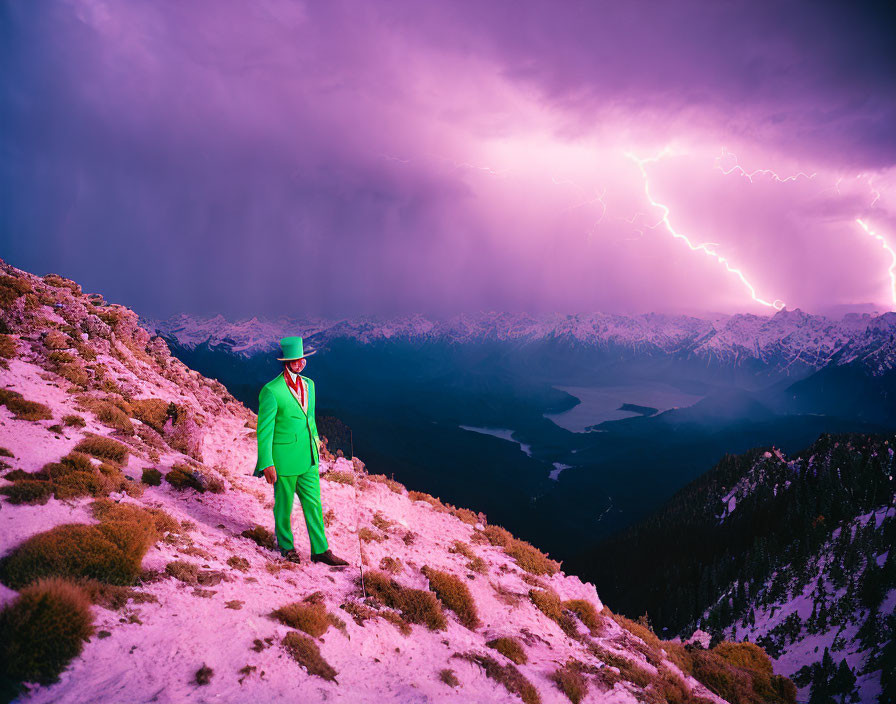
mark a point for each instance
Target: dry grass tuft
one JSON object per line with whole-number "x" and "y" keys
{"x": 8, "y": 347}
{"x": 108, "y": 411}
{"x": 430, "y": 499}
{"x": 305, "y": 652}
{"x": 204, "y": 675}
{"x": 381, "y": 522}
{"x": 547, "y": 601}
{"x": 448, "y": 677}
{"x": 466, "y": 515}
{"x": 184, "y": 571}
{"x": 110, "y": 552}
{"x": 415, "y": 605}
{"x": 510, "y": 648}
{"x": 531, "y": 558}
{"x": 455, "y": 595}
{"x": 104, "y": 448}
{"x": 587, "y": 613}
{"x": 262, "y": 537}
{"x": 27, "y": 491}
{"x": 151, "y": 476}
{"x": 369, "y": 535}
{"x": 41, "y": 631}
{"x": 506, "y": 675}
{"x": 154, "y": 412}
{"x": 392, "y": 565}
{"x": 238, "y": 563}
{"x": 182, "y": 477}
{"x": 394, "y": 486}
{"x": 308, "y": 617}
{"x": 341, "y": 477}
{"x": 23, "y": 409}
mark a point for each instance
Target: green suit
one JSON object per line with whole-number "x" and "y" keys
{"x": 288, "y": 440}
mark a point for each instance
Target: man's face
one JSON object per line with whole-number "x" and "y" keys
{"x": 296, "y": 365}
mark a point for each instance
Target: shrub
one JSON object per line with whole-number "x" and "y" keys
{"x": 183, "y": 477}
{"x": 5, "y": 452}
{"x": 74, "y": 421}
{"x": 41, "y": 631}
{"x": 455, "y": 595}
{"x": 394, "y": 486}
{"x": 415, "y": 605}
{"x": 510, "y": 648}
{"x": 308, "y": 617}
{"x": 428, "y": 498}
{"x": 531, "y": 558}
{"x": 154, "y": 519}
{"x": 392, "y": 565}
{"x": 11, "y": 288}
{"x": 448, "y": 677}
{"x": 23, "y": 409}
{"x": 27, "y": 491}
{"x": 461, "y": 548}
{"x": 154, "y": 412}
{"x": 151, "y": 476}
{"x": 109, "y": 411}
{"x": 77, "y": 483}
{"x": 381, "y": 522}
{"x": 57, "y": 281}
{"x": 506, "y": 675}
{"x": 56, "y": 340}
{"x": 587, "y": 613}
{"x": 204, "y": 675}
{"x": 478, "y": 565}
{"x": 741, "y": 673}
{"x": 341, "y": 477}
{"x": 547, "y": 601}
{"x": 305, "y": 652}
{"x": 570, "y": 681}
{"x": 369, "y": 535}
{"x": 238, "y": 563}
{"x": 398, "y": 621}
{"x": 104, "y": 448}
{"x": 74, "y": 372}
{"x": 110, "y": 552}
{"x": 261, "y": 536}
{"x": 184, "y": 571}
{"x": 467, "y": 516}
{"x": 8, "y": 349}
{"x": 496, "y": 535}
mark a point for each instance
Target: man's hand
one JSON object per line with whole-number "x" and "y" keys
{"x": 270, "y": 474}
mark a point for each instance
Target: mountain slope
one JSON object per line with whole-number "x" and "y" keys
{"x": 788, "y": 344}
{"x": 789, "y": 552}
{"x": 128, "y": 478}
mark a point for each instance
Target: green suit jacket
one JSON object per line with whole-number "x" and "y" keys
{"x": 287, "y": 436}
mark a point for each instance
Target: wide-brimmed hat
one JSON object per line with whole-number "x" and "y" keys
{"x": 292, "y": 349}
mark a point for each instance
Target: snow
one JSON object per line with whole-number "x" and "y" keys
{"x": 790, "y": 343}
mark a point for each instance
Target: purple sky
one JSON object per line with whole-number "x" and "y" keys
{"x": 281, "y": 157}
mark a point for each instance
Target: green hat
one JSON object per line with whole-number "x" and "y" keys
{"x": 292, "y": 349}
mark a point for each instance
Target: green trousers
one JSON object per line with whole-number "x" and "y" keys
{"x": 307, "y": 486}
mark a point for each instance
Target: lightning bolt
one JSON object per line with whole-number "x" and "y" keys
{"x": 706, "y": 248}
{"x": 869, "y": 180}
{"x": 889, "y": 249}
{"x": 749, "y": 176}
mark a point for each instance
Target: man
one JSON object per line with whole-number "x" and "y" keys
{"x": 288, "y": 452}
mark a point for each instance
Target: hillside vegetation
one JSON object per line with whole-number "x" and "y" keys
{"x": 137, "y": 561}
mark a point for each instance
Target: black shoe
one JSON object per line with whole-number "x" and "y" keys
{"x": 328, "y": 558}
{"x": 290, "y": 555}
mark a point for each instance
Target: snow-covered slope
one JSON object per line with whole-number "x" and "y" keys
{"x": 792, "y": 343}
{"x": 196, "y": 624}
